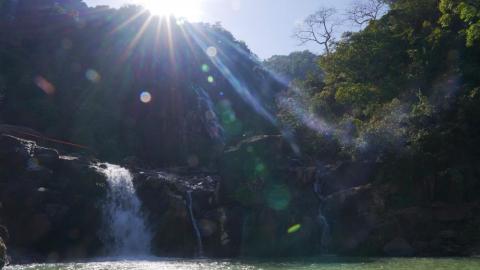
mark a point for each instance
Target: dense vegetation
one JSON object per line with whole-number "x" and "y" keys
{"x": 403, "y": 93}
{"x": 297, "y": 65}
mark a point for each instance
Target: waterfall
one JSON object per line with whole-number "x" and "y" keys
{"x": 211, "y": 121}
{"x": 318, "y": 186}
{"x": 195, "y": 224}
{"x": 125, "y": 232}
{"x": 324, "y": 242}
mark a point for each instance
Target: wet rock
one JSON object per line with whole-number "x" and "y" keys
{"x": 164, "y": 200}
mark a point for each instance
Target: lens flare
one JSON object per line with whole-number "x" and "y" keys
{"x": 92, "y": 75}
{"x": 45, "y": 85}
{"x": 145, "y": 97}
{"x": 212, "y": 51}
{"x": 295, "y": 228}
{"x": 205, "y": 68}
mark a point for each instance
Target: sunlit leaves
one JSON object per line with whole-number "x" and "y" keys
{"x": 467, "y": 12}
{"x": 355, "y": 93}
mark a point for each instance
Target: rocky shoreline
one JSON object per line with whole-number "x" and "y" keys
{"x": 259, "y": 203}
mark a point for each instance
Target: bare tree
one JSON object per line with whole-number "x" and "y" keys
{"x": 364, "y": 11}
{"x": 318, "y": 28}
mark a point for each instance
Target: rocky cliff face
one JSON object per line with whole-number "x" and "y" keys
{"x": 289, "y": 208}
{"x": 52, "y": 206}
{"x": 262, "y": 201}
{"x": 3, "y": 253}
{"x": 278, "y": 208}
{"x": 364, "y": 222}
{"x": 49, "y": 202}
{"x": 167, "y": 197}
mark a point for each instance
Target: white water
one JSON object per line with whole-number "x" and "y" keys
{"x": 195, "y": 225}
{"x": 212, "y": 123}
{"x": 324, "y": 242}
{"x": 322, "y": 220}
{"x": 125, "y": 232}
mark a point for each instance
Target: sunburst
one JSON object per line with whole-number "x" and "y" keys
{"x": 190, "y": 10}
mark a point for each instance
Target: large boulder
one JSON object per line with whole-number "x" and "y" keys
{"x": 167, "y": 197}
{"x": 50, "y": 203}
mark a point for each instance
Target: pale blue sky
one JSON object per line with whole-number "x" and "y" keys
{"x": 265, "y": 25}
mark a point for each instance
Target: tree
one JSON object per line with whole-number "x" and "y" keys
{"x": 364, "y": 11}
{"x": 468, "y": 12}
{"x": 319, "y": 28}
{"x": 297, "y": 65}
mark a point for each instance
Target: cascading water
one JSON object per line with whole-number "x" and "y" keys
{"x": 322, "y": 220}
{"x": 125, "y": 231}
{"x": 212, "y": 124}
{"x": 324, "y": 242}
{"x": 195, "y": 224}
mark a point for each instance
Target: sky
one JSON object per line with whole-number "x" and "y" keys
{"x": 265, "y": 25}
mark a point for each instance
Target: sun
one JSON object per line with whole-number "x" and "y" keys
{"x": 187, "y": 9}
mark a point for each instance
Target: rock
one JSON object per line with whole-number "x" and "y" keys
{"x": 344, "y": 175}
{"x": 207, "y": 227}
{"x": 448, "y": 234}
{"x": 46, "y": 156}
{"x": 363, "y": 222}
{"x": 15, "y": 152}
{"x": 164, "y": 199}
{"x": 3, "y": 254}
{"x": 354, "y": 215}
{"x": 133, "y": 162}
{"x": 45, "y": 198}
{"x": 3, "y": 231}
{"x": 398, "y": 247}
{"x": 261, "y": 177}
{"x": 450, "y": 213}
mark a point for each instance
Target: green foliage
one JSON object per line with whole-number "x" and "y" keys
{"x": 297, "y": 65}
{"x": 355, "y": 94}
{"x": 465, "y": 15}
{"x": 404, "y": 91}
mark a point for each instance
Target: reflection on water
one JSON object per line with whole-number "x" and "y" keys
{"x": 308, "y": 264}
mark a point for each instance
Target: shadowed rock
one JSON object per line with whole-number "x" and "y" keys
{"x": 50, "y": 203}
{"x": 3, "y": 254}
